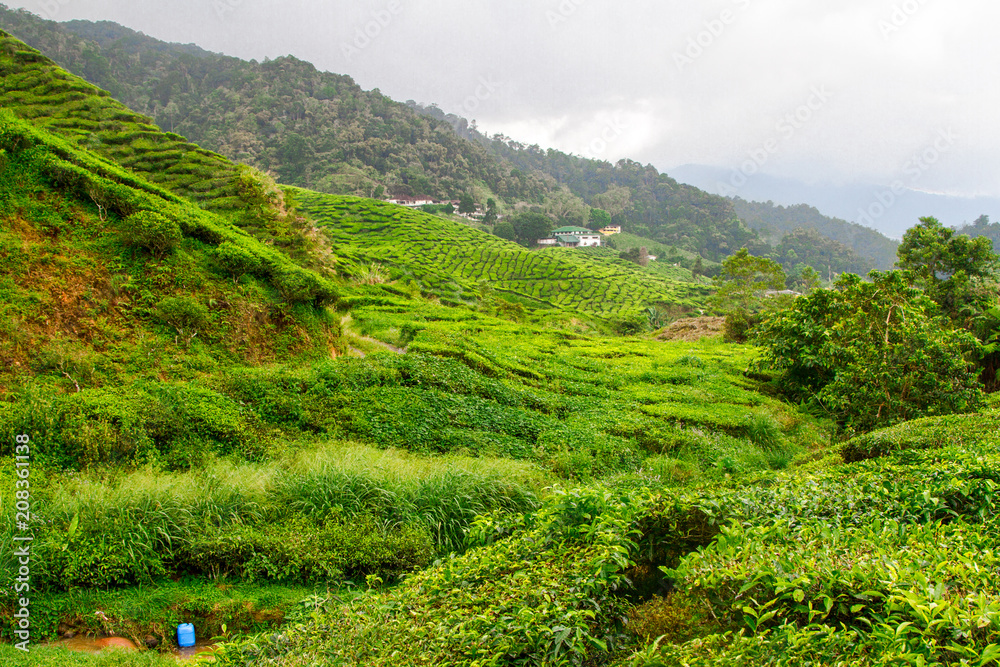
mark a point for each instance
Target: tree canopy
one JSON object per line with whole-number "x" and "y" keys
{"x": 871, "y": 353}
{"x": 529, "y": 227}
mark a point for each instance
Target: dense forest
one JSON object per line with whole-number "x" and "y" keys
{"x": 983, "y": 227}
{"x": 773, "y": 222}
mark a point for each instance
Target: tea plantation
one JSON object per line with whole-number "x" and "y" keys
{"x": 453, "y": 261}
{"x": 394, "y": 440}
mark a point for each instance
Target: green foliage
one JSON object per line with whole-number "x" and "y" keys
{"x": 529, "y": 227}
{"x": 176, "y": 425}
{"x": 743, "y": 281}
{"x": 926, "y": 433}
{"x": 828, "y": 257}
{"x": 151, "y": 231}
{"x": 955, "y": 270}
{"x": 552, "y": 608}
{"x": 775, "y": 222}
{"x": 740, "y": 291}
{"x": 599, "y": 218}
{"x": 871, "y": 354}
{"x": 183, "y": 313}
{"x": 237, "y": 259}
{"x": 930, "y": 250}
{"x": 505, "y": 230}
{"x": 451, "y": 260}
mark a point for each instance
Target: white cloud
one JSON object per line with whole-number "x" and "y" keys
{"x": 899, "y": 71}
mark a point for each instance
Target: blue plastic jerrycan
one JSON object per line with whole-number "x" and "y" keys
{"x": 185, "y": 635}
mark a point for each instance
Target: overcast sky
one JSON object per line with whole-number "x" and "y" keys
{"x": 824, "y": 90}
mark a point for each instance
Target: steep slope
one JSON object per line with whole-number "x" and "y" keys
{"x": 93, "y": 284}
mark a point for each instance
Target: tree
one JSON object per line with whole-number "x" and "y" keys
{"x": 491, "y": 212}
{"x": 740, "y": 288}
{"x": 599, "y": 219}
{"x": 505, "y": 230}
{"x": 529, "y": 227}
{"x": 615, "y": 200}
{"x": 636, "y": 255}
{"x": 958, "y": 273}
{"x": 466, "y": 204}
{"x": 804, "y": 278}
{"x": 870, "y": 353}
{"x": 565, "y": 207}
{"x": 934, "y": 253}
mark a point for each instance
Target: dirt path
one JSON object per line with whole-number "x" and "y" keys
{"x": 345, "y": 323}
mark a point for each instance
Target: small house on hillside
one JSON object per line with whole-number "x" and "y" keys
{"x": 576, "y": 237}
{"x": 411, "y": 202}
{"x": 611, "y": 229}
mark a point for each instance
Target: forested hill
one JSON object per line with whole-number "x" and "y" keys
{"x": 322, "y": 131}
{"x": 646, "y": 202}
{"x": 983, "y": 227}
{"x": 773, "y": 222}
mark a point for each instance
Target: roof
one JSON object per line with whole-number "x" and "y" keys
{"x": 574, "y": 230}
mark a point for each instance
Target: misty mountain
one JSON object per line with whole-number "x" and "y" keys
{"x": 869, "y": 204}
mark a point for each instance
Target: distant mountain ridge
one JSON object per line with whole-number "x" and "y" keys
{"x": 872, "y": 205}
{"x": 323, "y": 132}
{"x": 773, "y": 222}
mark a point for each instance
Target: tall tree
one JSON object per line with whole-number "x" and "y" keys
{"x": 740, "y": 288}
{"x": 466, "y": 204}
{"x": 491, "y": 212}
{"x": 955, "y": 270}
{"x": 529, "y": 227}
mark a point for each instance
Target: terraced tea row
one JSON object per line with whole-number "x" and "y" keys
{"x": 453, "y": 260}
{"x": 37, "y": 89}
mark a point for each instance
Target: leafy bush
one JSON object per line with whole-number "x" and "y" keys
{"x": 237, "y": 260}
{"x": 927, "y": 433}
{"x": 183, "y": 313}
{"x": 177, "y": 426}
{"x": 545, "y": 595}
{"x": 151, "y": 231}
{"x": 871, "y": 353}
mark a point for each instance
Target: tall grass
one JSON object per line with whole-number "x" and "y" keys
{"x": 442, "y": 494}
{"x": 115, "y": 528}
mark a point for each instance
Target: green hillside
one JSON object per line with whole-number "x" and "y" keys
{"x": 323, "y": 132}
{"x": 327, "y": 430}
{"x": 455, "y": 261}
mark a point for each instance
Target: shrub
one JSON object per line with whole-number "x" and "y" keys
{"x": 151, "y": 231}
{"x": 184, "y": 314}
{"x": 237, "y": 259}
{"x": 871, "y": 354}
